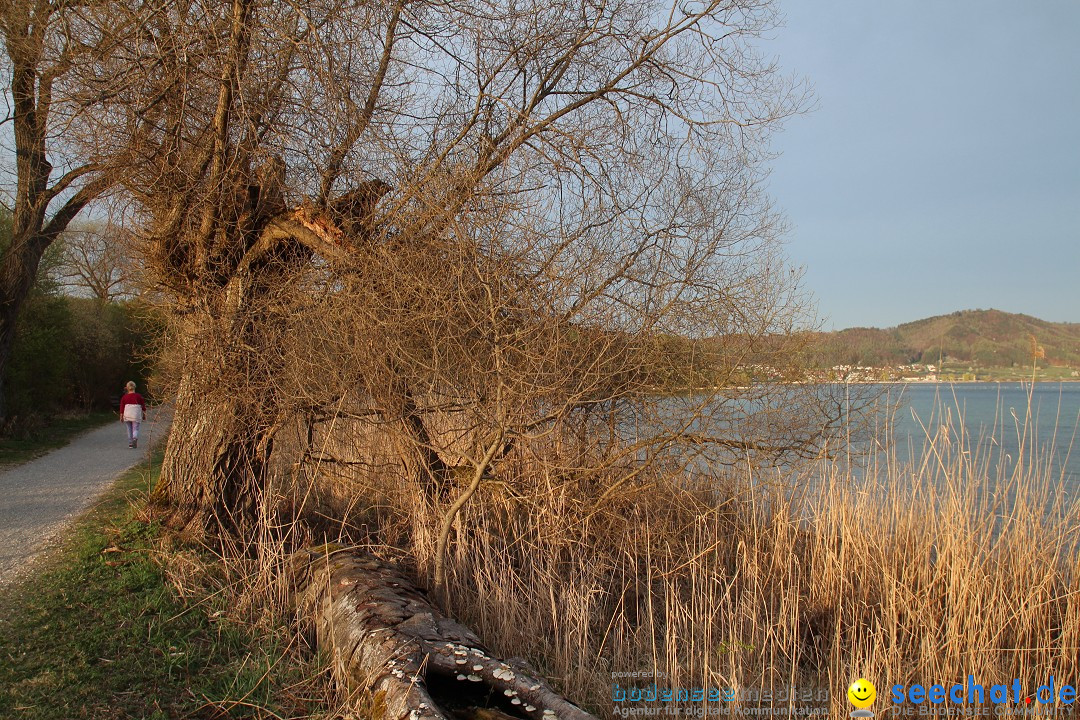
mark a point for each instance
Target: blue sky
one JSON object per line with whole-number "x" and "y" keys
{"x": 940, "y": 169}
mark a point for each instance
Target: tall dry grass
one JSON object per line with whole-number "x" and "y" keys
{"x": 923, "y": 568}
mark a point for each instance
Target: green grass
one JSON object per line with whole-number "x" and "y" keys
{"x": 29, "y": 443}
{"x": 99, "y": 632}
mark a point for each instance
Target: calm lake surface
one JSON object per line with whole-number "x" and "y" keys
{"x": 998, "y": 432}
{"x": 997, "y": 419}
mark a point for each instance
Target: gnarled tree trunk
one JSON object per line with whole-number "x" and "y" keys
{"x": 215, "y": 461}
{"x": 226, "y": 416}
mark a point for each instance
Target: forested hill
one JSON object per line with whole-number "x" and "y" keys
{"x": 986, "y": 338}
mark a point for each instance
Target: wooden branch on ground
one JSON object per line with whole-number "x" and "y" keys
{"x": 385, "y": 638}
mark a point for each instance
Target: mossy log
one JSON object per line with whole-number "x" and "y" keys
{"x": 386, "y": 639}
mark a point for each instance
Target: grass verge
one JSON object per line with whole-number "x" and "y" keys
{"x": 98, "y": 631}
{"x": 25, "y": 446}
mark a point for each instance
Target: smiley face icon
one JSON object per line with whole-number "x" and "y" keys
{"x": 862, "y": 693}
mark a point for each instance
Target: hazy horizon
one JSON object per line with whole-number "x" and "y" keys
{"x": 946, "y": 313}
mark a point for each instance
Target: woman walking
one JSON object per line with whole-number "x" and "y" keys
{"x": 132, "y": 410}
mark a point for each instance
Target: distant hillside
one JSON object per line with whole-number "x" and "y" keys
{"x": 984, "y": 338}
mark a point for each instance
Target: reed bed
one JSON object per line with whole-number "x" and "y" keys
{"x": 918, "y": 569}
{"x": 909, "y": 570}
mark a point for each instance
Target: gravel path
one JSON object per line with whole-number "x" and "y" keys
{"x": 39, "y": 498}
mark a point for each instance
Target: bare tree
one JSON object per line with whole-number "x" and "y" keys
{"x": 505, "y": 212}
{"x": 454, "y": 241}
{"x": 42, "y": 46}
{"x": 96, "y": 259}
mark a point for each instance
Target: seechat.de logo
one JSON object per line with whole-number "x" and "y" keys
{"x": 861, "y": 693}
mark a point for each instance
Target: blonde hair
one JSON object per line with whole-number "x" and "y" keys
{"x": 130, "y": 387}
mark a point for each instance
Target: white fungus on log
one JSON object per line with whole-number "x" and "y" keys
{"x": 385, "y": 636}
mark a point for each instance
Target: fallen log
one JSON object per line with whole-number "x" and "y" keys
{"x": 384, "y": 637}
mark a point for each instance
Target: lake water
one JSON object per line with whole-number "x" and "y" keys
{"x": 998, "y": 419}
{"x": 998, "y": 431}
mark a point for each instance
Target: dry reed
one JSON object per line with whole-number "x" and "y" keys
{"x": 927, "y": 569}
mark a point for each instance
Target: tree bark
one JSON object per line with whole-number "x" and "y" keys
{"x": 227, "y": 412}
{"x": 386, "y": 639}
{"x": 9, "y": 313}
{"x": 214, "y": 466}
{"x": 225, "y": 419}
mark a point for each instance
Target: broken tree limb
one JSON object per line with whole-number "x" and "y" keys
{"x": 384, "y": 637}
